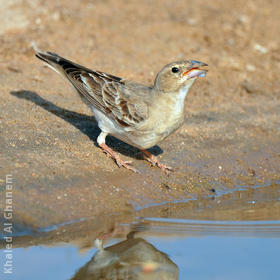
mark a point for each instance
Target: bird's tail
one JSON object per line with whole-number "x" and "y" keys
{"x": 48, "y": 57}
{"x": 52, "y": 60}
{"x": 65, "y": 68}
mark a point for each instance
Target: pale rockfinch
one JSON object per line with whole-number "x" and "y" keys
{"x": 134, "y": 113}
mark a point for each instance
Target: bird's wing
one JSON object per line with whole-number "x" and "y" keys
{"x": 124, "y": 102}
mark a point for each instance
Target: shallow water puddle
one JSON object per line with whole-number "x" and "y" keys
{"x": 159, "y": 248}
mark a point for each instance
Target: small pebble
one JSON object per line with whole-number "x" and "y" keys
{"x": 191, "y": 21}
{"x": 250, "y": 67}
{"x": 231, "y": 42}
{"x": 260, "y": 48}
{"x": 56, "y": 16}
{"x": 250, "y": 88}
{"x": 13, "y": 69}
{"x": 252, "y": 172}
{"x": 243, "y": 19}
{"x": 38, "y": 21}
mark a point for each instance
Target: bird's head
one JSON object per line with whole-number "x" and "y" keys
{"x": 179, "y": 75}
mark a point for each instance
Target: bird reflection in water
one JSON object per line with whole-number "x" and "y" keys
{"x": 131, "y": 259}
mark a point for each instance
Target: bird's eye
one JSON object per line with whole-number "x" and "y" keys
{"x": 175, "y": 69}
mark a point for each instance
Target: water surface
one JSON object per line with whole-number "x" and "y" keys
{"x": 192, "y": 249}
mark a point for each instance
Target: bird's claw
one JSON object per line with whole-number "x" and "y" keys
{"x": 125, "y": 164}
{"x": 155, "y": 162}
{"x": 121, "y": 163}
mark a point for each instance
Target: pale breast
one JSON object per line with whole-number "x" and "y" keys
{"x": 165, "y": 116}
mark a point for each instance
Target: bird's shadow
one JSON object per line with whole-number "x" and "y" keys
{"x": 86, "y": 124}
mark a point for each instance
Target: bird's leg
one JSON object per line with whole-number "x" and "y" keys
{"x": 155, "y": 162}
{"x": 112, "y": 154}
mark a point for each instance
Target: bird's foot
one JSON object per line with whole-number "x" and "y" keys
{"x": 117, "y": 158}
{"x": 155, "y": 162}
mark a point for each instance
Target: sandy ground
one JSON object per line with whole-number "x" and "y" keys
{"x": 231, "y": 134}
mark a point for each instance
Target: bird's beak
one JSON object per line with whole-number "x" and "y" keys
{"x": 196, "y": 69}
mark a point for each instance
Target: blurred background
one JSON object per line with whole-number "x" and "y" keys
{"x": 134, "y": 39}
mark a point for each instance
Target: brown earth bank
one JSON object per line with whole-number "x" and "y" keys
{"x": 231, "y": 134}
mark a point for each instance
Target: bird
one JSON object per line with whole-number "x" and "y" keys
{"x": 137, "y": 114}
